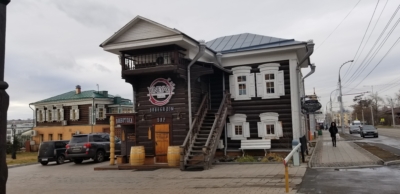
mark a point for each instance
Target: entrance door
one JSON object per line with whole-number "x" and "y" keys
{"x": 162, "y": 142}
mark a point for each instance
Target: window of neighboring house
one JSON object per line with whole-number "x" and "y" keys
{"x": 241, "y": 83}
{"x": 60, "y": 137}
{"x": 238, "y": 128}
{"x": 50, "y": 137}
{"x": 100, "y": 112}
{"x": 74, "y": 113}
{"x": 270, "y": 127}
{"x": 59, "y": 113}
{"x": 127, "y": 110}
{"x": 114, "y": 110}
{"x": 50, "y": 114}
{"x": 270, "y": 81}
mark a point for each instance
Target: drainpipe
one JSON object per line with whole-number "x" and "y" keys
{"x": 312, "y": 67}
{"x": 202, "y": 48}
{"x": 310, "y": 50}
{"x": 33, "y": 118}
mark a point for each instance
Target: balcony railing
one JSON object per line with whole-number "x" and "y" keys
{"x": 132, "y": 62}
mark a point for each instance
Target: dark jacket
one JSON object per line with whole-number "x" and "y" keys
{"x": 333, "y": 131}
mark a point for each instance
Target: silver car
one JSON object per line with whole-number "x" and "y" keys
{"x": 354, "y": 129}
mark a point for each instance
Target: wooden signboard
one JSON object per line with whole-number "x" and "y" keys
{"x": 124, "y": 120}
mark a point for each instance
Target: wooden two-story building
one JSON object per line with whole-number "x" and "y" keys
{"x": 75, "y": 112}
{"x": 225, "y": 93}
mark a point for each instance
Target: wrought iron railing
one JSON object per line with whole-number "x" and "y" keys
{"x": 132, "y": 62}
{"x": 193, "y": 131}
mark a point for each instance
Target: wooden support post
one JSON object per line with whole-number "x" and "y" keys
{"x": 287, "y": 178}
{"x": 112, "y": 140}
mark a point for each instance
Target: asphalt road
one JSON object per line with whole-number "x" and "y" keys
{"x": 387, "y": 136}
{"x": 382, "y": 180}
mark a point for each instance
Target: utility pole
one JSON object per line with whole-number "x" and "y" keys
{"x": 341, "y": 96}
{"x": 394, "y": 122}
{"x": 372, "y": 116}
{"x": 362, "y": 112}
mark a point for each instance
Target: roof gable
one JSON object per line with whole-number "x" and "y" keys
{"x": 247, "y": 41}
{"x": 140, "y": 28}
{"x": 73, "y": 96}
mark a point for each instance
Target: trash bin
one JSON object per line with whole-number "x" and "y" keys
{"x": 319, "y": 132}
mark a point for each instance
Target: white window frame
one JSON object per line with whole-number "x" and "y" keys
{"x": 49, "y": 114}
{"x": 59, "y": 113}
{"x": 279, "y": 81}
{"x": 234, "y": 84}
{"x": 102, "y": 108}
{"x": 238, "y": 120}
{"x": 270, "y": 118}
{"x": 40, "y": 113}
{"x": 74, "y": 109}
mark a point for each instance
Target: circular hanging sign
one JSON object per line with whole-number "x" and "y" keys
{"x": 161, "y": 91}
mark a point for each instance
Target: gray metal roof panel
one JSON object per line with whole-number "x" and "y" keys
{"x": 246, "y": 42}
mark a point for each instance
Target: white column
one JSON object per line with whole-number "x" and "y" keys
{"x": 295, "y": 98}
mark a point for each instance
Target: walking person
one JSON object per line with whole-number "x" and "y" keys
{"x": 333, "y": 130}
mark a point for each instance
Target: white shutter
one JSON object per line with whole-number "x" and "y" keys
{"x": 61, "y": 114}
{"x": 261, "y": 130}
{"x": 232, "y": 86}
{"x": 246, "y": 129}
{"x": 281, "y": 83}
{"x": 77, "y": 114}
{"x": 229, "y": 128}
{"x": 90, "y": 116}
{"x": 104, "y": 113}
{"x": 97, "y": 113}
{"x": 37, "y": 115}
{"x": 259, "y": 80}
{"x": 53, "y": 114}
{"x": 71, "y": 114}
{"x": 279, "y": 129}
{"x": 251, "y": 84}
{"x": 43, "y": 115}
{"x": 47, "y": 115}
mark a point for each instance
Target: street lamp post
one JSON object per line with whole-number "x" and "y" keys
{"x": 394, "y": 122}
{"x": 340, "y": 94}
{"x": 13, "y": 154}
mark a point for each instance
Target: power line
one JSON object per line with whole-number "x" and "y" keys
{"x": 338, "y": 25}
{"x": 376, "y": 42}
{"x": 364, "y": 34}
{"x": 379, "y": 61}
{"x": 373, "y": 29}
{"x": 377, "y": 50}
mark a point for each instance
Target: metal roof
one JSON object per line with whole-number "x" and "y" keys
{"x": 247, "y": 42}
{"x": 83, "y": 95}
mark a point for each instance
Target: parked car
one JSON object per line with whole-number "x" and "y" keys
{"x": 368, "y": 130}
{"x": 354, "y": 129}
{"x": 50, "y": 151}
{"x": 94, "y": 146}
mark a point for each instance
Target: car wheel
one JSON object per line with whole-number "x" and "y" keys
{"x": 44, "y": 163}
{"x": 377, "y": 136}
{"x": 100, "y": 156}
{"x": 78, "y": 161}
{"x": 60, "y": 159}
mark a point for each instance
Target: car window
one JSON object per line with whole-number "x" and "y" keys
{"x": 117, "y": 139}
{"x": 46, "y": 145}
{"x": 105, "y": 137}
{"x": 60, "y": 145}
{"x": 79, "y": 139}
{"x": 97, "y": 138}
{"x": 368, "y": 127}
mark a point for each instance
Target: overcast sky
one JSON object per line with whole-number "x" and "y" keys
{"x": 52, "y": 46}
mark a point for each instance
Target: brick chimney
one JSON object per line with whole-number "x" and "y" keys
{"x": 78, "y": 89}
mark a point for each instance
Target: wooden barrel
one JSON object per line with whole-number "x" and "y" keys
{"x": 173, "y": 156}
{"x": 137, "y": 156}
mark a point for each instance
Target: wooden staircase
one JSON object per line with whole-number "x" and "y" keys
{"x": 198, "y": 149}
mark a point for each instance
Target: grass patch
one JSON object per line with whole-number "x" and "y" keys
{"x": 246, "y": 159}
{"x": 272, "y": 157}
{"x": 22, "y": 158}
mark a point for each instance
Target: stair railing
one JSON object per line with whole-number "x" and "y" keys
{"x": 212, "y": 141}
{"x": 193, "y": 131}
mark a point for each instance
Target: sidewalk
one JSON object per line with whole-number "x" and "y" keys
{"x": 346, "y": 154}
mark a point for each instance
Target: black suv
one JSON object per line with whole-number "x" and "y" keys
{"x": 94, "y": 146}
{"x": 52, "y": 151}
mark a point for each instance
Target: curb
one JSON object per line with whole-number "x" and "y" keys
{"x": 244, "y": 163}
{"x": 348, "y": 167}
{"x": 312, "y": 155}
{"x": 20, "y": 165}
{"x": 389, "y": 163}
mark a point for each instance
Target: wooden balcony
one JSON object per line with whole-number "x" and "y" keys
{"x": 160, "y": 59}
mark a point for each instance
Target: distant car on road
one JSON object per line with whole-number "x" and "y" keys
{"x": 52, "y": 151}
{"x": 368, "y": 130}
{"x": 94, "y": 146}
{"x": 354, "y": 129}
